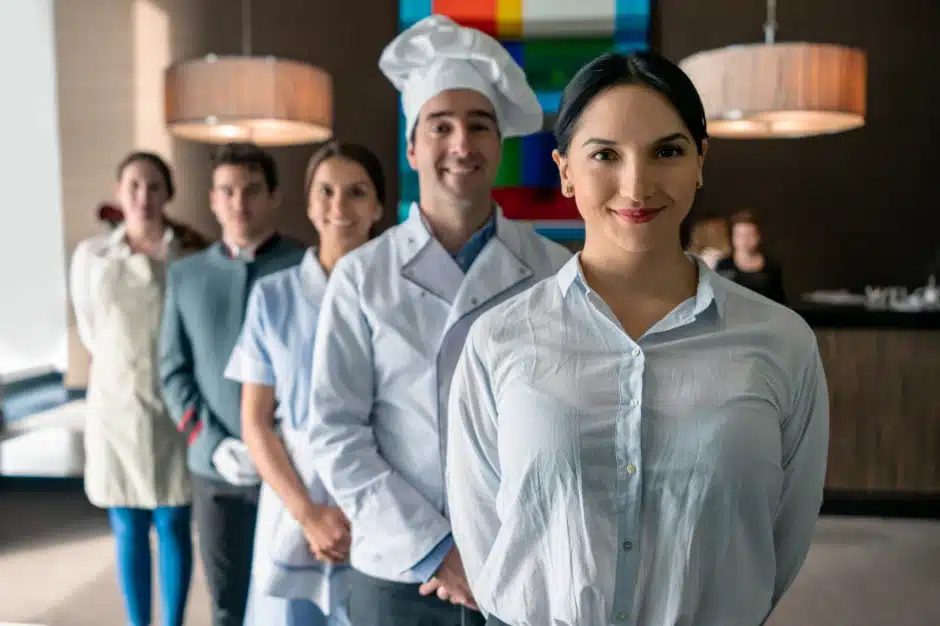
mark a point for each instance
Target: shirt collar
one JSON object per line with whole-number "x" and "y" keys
{"x": 117, "y": 239}
{"x": 710, "y": 288}
{"x": 416, "y": 221}
{"x": 471, "y": 250}
{"x": 250, "y": 253}
{"x": 312, "y": 277}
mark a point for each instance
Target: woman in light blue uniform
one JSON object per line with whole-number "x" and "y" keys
{"x": 302, "y": 541}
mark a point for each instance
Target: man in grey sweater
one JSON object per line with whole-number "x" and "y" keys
{"x": 204, "y": 309}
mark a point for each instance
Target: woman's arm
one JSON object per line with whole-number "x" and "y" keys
{"x": 79, "y": 289}
{"x": 325, "y": 527}
{"x": 473, "y": 474}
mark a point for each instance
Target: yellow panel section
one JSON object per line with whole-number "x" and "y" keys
{"x": 509, "y": 19}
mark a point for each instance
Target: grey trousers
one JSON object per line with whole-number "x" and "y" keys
{"x": 375, "y": 602}
{"x": 225, "y": 518}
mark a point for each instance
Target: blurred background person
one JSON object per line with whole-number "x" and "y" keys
{"x": 207, "y": 295}
{"x": 135, "y": 461}
{"x": 748, "y": 265}
{"x": 709, "y": 240}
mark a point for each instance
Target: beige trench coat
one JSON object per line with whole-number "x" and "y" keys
{"x": 134, "y": 455}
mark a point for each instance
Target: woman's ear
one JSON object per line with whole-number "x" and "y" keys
{"x": 562, "y": 162}
{"x": 379, "y": 213}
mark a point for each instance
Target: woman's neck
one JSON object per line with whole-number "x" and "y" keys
{"x": 330, "y": 253}
{"x": 145, "y": 237}
{"x": 665, "y": 273}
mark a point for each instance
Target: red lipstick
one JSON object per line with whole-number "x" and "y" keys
{"x": 638, "y": 216}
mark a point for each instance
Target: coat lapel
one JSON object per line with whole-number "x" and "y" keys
{"x": 426, "y": 263}
{"x": 499, "y": 268}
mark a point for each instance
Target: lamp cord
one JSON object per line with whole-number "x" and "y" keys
{"x": 246, "y": 27}
{"x": 770, "y": 26}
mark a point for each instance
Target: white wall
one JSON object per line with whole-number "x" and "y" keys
{"x": 32, "y": 264}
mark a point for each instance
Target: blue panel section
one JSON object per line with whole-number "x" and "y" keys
{"x": 633, "y": 23}
{"x": 411, "y": 11}
{"x": 404, "y": 208}
{"x": 402, "y": 145}
{"x": 549, "y": 101}
{"x": 516, "y": 50}
{"x": 408, "y": 185}
{"x": 538, "y": 168}
{"x": 561, "y": 234}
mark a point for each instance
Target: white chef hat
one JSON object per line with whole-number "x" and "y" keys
{"x": 436, "y": 54}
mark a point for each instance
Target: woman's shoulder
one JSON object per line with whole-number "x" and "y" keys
{"x": 189, "y": 240}
{"x": 92, "y": 249}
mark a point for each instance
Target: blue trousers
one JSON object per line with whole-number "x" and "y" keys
{"x": 131, "y": 529}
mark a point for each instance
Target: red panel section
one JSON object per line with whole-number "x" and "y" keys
{"x": 479, "y": 14}
{"x": 528, "y": 203}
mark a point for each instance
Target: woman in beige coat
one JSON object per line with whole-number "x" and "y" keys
{"x": 136, "y": 460}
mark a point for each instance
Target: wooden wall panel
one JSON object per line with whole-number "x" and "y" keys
{"x": 884, "y": 390}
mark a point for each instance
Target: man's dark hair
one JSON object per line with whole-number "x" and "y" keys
{"x": 250, "y": 156}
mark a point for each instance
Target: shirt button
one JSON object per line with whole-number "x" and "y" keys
{"x": 636, "y": 352}
{"x": 631, "y": 469}
{"x": 473, "y": 301}
{"x": 634, "y": 402}
{"x": 627, "y": 546}
{"x": 621, "y": 617}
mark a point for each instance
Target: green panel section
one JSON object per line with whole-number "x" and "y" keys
{"x": 510, "y": 168}
{"x": 549, "y": 64}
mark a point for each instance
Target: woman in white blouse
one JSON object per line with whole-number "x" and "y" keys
{"x": 636, "y": 440}
{"x": 135, "y": 459}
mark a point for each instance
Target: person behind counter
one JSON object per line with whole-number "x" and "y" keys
{"x": 709, "y": 239}
{"x": 135, "y": 461}
{"x": 748, "y": 264}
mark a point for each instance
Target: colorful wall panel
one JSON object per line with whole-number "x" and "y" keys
{"x": 551, "y": 40}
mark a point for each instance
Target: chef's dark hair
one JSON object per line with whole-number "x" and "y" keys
{"x": 638, "y": 68}
{"x": 156, "y": 161}
{"x": 356, "y": 153}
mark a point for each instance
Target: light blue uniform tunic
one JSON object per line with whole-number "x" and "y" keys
{"x": 274, "y": 349}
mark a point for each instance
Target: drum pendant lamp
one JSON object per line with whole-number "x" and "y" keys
{"x": 780, "y": 90}
{"x": 262, "y": 99}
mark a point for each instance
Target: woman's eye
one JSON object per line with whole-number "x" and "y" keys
{"x": 668, "y": 152}
{"x": 603, "y": 155}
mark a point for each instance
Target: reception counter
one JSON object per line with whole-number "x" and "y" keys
{"x": 883, "y": 371}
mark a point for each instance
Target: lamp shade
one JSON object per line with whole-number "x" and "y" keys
{"x": 780, "y": 89}
{"x": 265, "y": 100}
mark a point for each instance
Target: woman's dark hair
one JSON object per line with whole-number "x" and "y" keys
{"x": 354, "y": 152}
{"x": 154, "y": 160}
{"x": 638, "y": 68}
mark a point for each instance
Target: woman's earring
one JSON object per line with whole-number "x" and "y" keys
{"x": 569, "y": 190}
{"x": 699, "y": 184}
